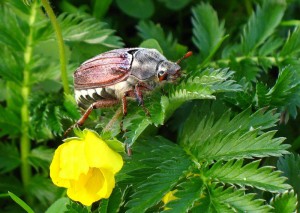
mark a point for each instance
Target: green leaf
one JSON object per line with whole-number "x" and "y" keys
{"x": 9, "y": 122}
{"x": 100, "y": 8}
{"x": 270, "y": 46}
{"x": 9, "y": 157}
{"x": 11, "y": 183}
{"x": 149, "y": 30}
{"x": 188, "y": 193}
{"x": 136, "y": 8}
{"x": 87, "y": 29}
{"x": 166, "y": 168}
{"x": 290, "y": 165}
{"x": 284, "y": 94}
{"x": 58, "y": 206}
{"x": 234, "y": 172}
{"x": 207, "y": 31}
{"x": 234, "y": 200}
{"x": 208, "y": 139}
{"x": 20, "y": 202}
{"x": 151, "y": 43}
{"x": 43, "y": 189}
{"x": 41, "y": 157}
{"x": 200, "y": 85}
{"x": 286, "y": 202}
{"x": 113, "y": 204}
{"x": 75, "y": 207}
{"x": 175, "y": 4}
{"x": 262, "y": 24}
{"x": 11, "y": 27}
{"x": 115, "y": 145}
{"x": 292, "y": 45}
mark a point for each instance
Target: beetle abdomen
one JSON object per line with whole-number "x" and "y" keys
{"x": 85, "y": 97}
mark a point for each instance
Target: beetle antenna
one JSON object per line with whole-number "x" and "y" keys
{"x": 188, "y": 54}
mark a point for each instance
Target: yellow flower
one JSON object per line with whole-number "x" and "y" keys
{"x": 86, "y": 167}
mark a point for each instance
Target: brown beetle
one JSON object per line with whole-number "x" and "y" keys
{"x": 111, "y": 77}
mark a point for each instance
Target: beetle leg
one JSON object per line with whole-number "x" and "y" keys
{"x": 139, "y": 95}
{"x": 95, "y": 105}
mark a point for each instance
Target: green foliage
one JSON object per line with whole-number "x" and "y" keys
{"x": 285, "y": 202}
{"x": 208, "y": 33}
{"x": 262, "y": 24}
{"x": 290, "y": 165}
{"x": 212, "y": 137}
{"x": 20, "y": 202}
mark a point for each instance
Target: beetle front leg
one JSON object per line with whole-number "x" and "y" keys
{"x": 95, "y": 105}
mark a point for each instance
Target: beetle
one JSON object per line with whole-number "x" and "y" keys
{"x": 113, "y": 76}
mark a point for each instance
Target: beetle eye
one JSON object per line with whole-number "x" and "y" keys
{"x": 160, "y": 73}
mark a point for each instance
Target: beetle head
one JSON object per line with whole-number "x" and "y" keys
{"x": 167, "y": 70}
{"x": 170, "y": 71}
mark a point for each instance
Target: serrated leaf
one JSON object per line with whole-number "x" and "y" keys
{"x": 151, "y": 43}
{"x": 290, "y": 165}
{"x": 292, "y": 45}
{"x": 11, "y": 27}
{"x": 234, "y": 172}
{"x": 75, "y": 207}
{"x": 167, "y": 167}
{"x": 207, "y": 31}
{"x": 87, "y": 29}
{"x": 54, "y": 120}
{"x": 261, "y": 97}
{"x": 234, "y": 200}
{"x": 200, "y": 85}
{"x": 188, "y": 193}
{"x": 270, "y": 46}
{"x": 41, "y": 157}
{"x": 285, "y": 202}
{"x": 214, "y": 140}
{"x": 43, "y": 189}
{"x": 149, "y": 30}
{"x": 9, "y": 157}
{"x": 262, "y": 24}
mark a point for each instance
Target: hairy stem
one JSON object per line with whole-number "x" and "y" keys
{"x": 61, "y": 46}
{"x": 113, "y": 120}
{"x": 25, "y": 145}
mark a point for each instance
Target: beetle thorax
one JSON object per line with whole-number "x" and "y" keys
{"x": 144, "y": 64}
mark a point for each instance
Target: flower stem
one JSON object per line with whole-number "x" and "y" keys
{"x": 25, "y": 145}
{"x": 61, "y": 46}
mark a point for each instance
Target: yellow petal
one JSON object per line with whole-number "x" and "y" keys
{"x": 86, "y": 189}
{"x": 108, "y": 184}
{"x": 73, "y": 161}
{"x": 100, "y": 155}
{"x": 55, "y": 170}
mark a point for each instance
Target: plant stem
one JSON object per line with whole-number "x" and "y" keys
{"x": 255, "y": 59}
{"x": 25, "y": 145}
{"x": 61, "y": 46}
{"x": 117, "y": 114}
